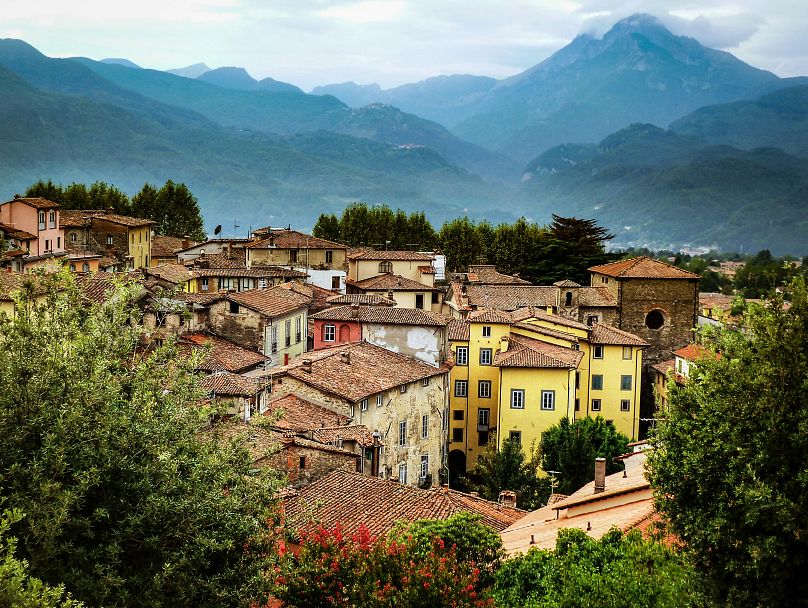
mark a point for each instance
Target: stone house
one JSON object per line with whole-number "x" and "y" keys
{"x": 220, "y": 354}
{"x": 414, "y": 265}
{"x": 244, "y": 397}
{"x": 401, "y": 400}
{"x": 405, "y": 292}
{"x": 126, "y": 239}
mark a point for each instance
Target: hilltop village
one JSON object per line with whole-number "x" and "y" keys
{"x": 380, "y": 376}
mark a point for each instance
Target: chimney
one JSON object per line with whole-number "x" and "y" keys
{"x": 354, "y": 310}
{"x": 307, "y": 365}
{"x": 446, "y": 488}
{"x": 186, "y": 241}
{"x": 345, "y": 357}
{"x": 503, "y": 345}
{"x": 229, "y": 250}
{"x": 507, "y": 498}
{"x": 600, "y": 475}
{"x": 477, "y": 494}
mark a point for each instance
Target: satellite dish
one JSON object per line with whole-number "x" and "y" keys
{"x": 218, "y": 229}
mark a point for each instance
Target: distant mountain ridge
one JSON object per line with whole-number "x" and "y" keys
{"x": 239, "y": 80}
{"x": 190, "y": 71}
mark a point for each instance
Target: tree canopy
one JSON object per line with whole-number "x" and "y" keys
{"x": 510, "y": 469}
{"x": 377, "y": 226}
{"x": 729, "y": 464}
{"x": 128, "y": 501}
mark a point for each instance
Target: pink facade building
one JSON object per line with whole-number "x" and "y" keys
{"x": 330, "y": 333}
{"x": 39, "y": 217}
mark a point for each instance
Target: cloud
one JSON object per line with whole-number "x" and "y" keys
{"x": 368, "y": 11}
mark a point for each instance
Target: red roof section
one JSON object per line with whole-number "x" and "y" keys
{"x": 643, "y": 267}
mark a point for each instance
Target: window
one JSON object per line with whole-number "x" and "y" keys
{"x": 133, "y": 238}
{"x": 329, "y": 256}
{"x": 419, "y": 300}
{"x": 679, "y": 366}
{"x": 52, "y": 219}
{"x": 385, "y": 267}
{"x": 402, "y": 473}
{"x": 73, "y": 267}
{"x": 379, "y": 400}
{"x": 425, "y": 382}
{"x": 592, "y": 320}
{"x": 625, "y": 383}
{"x": 363, "y": 405}
{"x": 435, "y": 298}
{"x": 47, "y": 245}
{"x": 85, "y": 267}
{"x": 457, "y": 435}
{"x": 548, "y": 400}
{"x": 273, "y": 338}
{"x": 517, "y": 398}
{"x": 233, "y": 307}
{"x": 461, "y": 388}
{"x": 204, "y": 283}
{"x": 457, "y": 414}
{"x": 568, "y": 299}
{"x": 486, "y": 331}
{"x": 225, "y": 283}
{"x": 329, "y": 332}
{"x": 302, "y": 463}
{"x": 597, "y": 382}
{"x": 58, "y": 242}
{"x": 73, "y": 237}
{"x": 654, "y": 319}
{"x": 577, "y": 379}
{"x": 515, "y": 437}
{"x": 292, "y": 256}
{"x": 595, "y": 405}
{"x": 577, "y": 405}
{"x": 485, "y": 356}
{"x": 297, "y": 330}
{"x": 597, "y": 351}
{"x": 288, "y": 327}
{"x": 626, "y": 352}
{"x": 403, "y": 389}
{"x": 109, "y": 239}
{"x": 484, "y": 389}
{"x": 424, "y": 466}
{"x": 625, "y": 405}
{"x": 425, "y": 426}
{"x": 462, "y": 355}
{"x": 482, "y": 438}
{"x": 352, "y": 410}
{"x": 402, "y": 432}
{"x": 483, "y": 418}
{"x": 335, "y": 282}
{"x": 42, "y": 220}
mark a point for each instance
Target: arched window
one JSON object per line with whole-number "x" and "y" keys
{"x": 654, "y": 319}
{"x": 385, "y": 267}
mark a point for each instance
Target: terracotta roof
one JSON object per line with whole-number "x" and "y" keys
{"x": 643, "y": 267}
{"x": 488, "y": 315}
{"x": 266, "y": 272}
{"x": 371, "y": 254}
{"x": 75, "y": 217}
{"x": 390, "y": 282}
{"x": 510, "y": 297}
{"x": 384, "y": 315}
{"x": 167, "y": 246}
{"x": 299, "y": 413}
{"x": 566, "y": 283}
{"x": 458, "y": 330}
{"x": 616, "y": 484}
{"x": 15, "y": 233}
{"x": 235, "y": 258}
{"x": 546, "y": 331}
{"x": 317, "y": 295}
{"x": 11, "y": 282}
{"x": 202, "y": 299}
{"x": 427, "y": 269}
{"x": 715, "y": 300}
{"x": 36, "y": 203}
{"x": 173, "y": 273}
{"x": 96, "y": 286}
{"x": 596, "y": 296}
{"x": 272, "y": 302}
{"x": 538, "y": 313}
{"x": 664, "y": 367}
{"x": 487, "y": 274}
{"x": 224, "y": 355}
{"x": 369, "y": 370}
{"x": 283, "y": 238}
{"x": 527, "y": 352}
{"x": 353, "y": 500}
{"x": 370, "y": 299}
{"x": 358, "y": 433}
{"x": 694, "y": 352}
{"x": 230, "y": 385}
{"x": 606, "y": 334}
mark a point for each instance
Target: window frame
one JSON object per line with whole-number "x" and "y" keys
{"x": 402, "y": 432}
{"x": 363, "y": 405}
{"x": 597, "y": 382}
{"x": 480, "y": 385}
{"x": 625, "y": 405}
{"x": 597, "y": 351}
{"x": 379, "y": 400}
{"x": 457, "y": 435}
{"x": 464, "y": 360}
{"x": 515, "y": 435}
{"x": 386, "y": 267}
{"x": 483, "y": 417}
{"x": 521, "y": 404}
{"x": 486, "y": 331}
{"x": 329, "y": 329}
{"x": 425, "y": 426}
{"x": 596, "y": 405}
{"x": 547, "y": 400}
{"x": 490, "y": 356}
{"x": 465, "y": 385}
{"x": 402, "y": 467}
{"x": 424, "y": 468}
{"x": 626, "y": 382}
{"x": 628, "y": 350}
{"x": 329, "y": 256}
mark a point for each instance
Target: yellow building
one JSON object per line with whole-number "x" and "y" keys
{"x": 92, "y": 231}
{"x": 517, "y": 374}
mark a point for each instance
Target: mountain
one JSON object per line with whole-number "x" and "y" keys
{"x": 444, "y": 99}
{"x": 663, "y": 189}
{"x": 239, "y": 80}
{"x": 779, "y": 119}
{"x": 190, "y": 71}
{"x": 104, "y": 135}
{"x": 637, "y": 72}
{"x": 121, "y": 61}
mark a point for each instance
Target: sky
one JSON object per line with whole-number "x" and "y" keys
{"x": 390, "y": 42}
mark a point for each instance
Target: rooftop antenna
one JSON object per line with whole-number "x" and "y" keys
{"x": 235, "y": 227}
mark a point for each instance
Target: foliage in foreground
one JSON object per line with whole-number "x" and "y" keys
{"x": 615, "y": 572}
{"x": 571, "y": 449}
{"x": 510, "y": 469}
{"x": 409, "y": 568}
{"x": 125, "y": 504}
{"x": 729, "y": 465}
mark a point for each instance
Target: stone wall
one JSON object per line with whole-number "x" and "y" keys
{"x": 245, "y": 328}
{"x": 316, "y": 463}
{"x": 427, "y": 344}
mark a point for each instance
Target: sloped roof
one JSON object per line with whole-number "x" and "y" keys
{"x": 236, "y": 257}
{"x": 510, "y": 297}
{"x": 527, "y": 352}
{"x": 384, "y": 315}
{"x": 76, "y": 217}
{"x": 12, "y": 282}
{"x": 370, "y": 299}
{"x": 458, "y": 330}
{"x": 606, "y": 334}
{"x": 299, "y": 413}
{"x": 390, "y": 282}
{"x": 284, "y": 238}
{"x": 167, "y": 246}
{"x": 15, "y": 233}
{"x": 355, "y": 432}
{"x": 352, "y": 500}
{"x": 406, "y": 256}
{"x": 224, "y": 355}
{"x": 538, "y": 313}
{"x": 546, "y": 331}
{"x": 35, "y": 202}
{"x": 273, "y": 272}
{"x": 566, "y": 283}
{"x": 488, "y": 315}
{"x": 596, "y": 296}
{"x": 173, "y": 273}
{"x": 369, "y": 370}
{"x": 229, "y": 384}
{"x": 97, "y": 286}
{"x": 487, "y": 274}
{"x": 643, "y": 267}
{"x": 272, "y": 302}
{"x": 694, "y": 352}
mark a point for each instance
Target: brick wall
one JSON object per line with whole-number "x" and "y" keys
{"x": 317, "y": 463}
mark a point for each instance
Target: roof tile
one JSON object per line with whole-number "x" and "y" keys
{"x": 642, "y": 267}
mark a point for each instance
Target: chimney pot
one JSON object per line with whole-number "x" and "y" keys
{"x": 532, "y": 540}
{"x": 307, "y": 365}
{"x": 507, "y": 498}
{"x": 345, "y": 357}
{"x": 600, "y": 475}
{"x": 354, "y": 310}
{"x": 446, "y": 487}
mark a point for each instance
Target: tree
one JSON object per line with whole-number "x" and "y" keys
{"x": 616, "y": 571}
{"x": 509, "y": 469}
{"x": 461, "y": 243}
{"x": 127, "y": 501}
{"x": 571, "y": 449}
{"x": 327, "y": 227}
{"x": 729, "y": 464}
{"x": 179, "y": 212}
{"x": 99, "y": 195}
{"x": 17, "y": 588}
